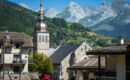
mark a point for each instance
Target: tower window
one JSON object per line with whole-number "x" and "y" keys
{"x": 42, "y": 38}
{"x": 46, "y": 38}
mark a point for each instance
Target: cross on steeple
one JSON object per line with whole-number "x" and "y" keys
{"x": 40, "y": 3}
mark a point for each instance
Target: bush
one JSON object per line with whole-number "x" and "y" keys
{"x": 41, "y": 64}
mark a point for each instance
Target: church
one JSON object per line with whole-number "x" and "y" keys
{"x": 41, "y": 34}
{"x": 63, "y": 56}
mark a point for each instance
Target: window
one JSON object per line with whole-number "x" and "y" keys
{"x": 16, "y": 56}
{"x": 17, "y": 46}
{"x": 0, "y": 67}
{"x": 42, "y": 38}
{"x": 81, "y": 49}
{"x": 46, "y": 38}
{"x": 16, "y": 69}
{"x": 85, "y": 47}
{"x": 0, "y": 46}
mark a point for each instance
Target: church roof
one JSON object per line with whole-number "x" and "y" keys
{"x": 41, "y": 26}
{"x": 62, "y": 53}
{"x": 16, "y": 37}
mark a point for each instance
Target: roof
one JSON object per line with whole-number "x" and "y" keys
{"x": 89, "y": 63}
{"x": 16, "y": 37}
{"x": 63, "y": 52}
{"x": 117, "y": 49}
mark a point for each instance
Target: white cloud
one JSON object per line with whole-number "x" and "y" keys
{"x": 24, "y": 5}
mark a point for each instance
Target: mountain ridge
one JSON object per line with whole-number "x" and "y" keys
{"x": 19, "y": 19}
{"x": 108, "y": 16}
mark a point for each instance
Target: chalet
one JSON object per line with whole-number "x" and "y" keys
{"x": 67, "y": 55}
{"x": 16, "y": 47}
{"x": 117, "y": 61}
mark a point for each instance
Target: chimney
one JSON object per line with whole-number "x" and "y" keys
{"x": 121, "y": 40}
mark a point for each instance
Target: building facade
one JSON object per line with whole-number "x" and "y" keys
{"x": 67, "y": 55}
{"x": 86, "y": 69}
{"x": 117, "y": 61}
{"x": 41, "y": 35}
{"x": 16, "y": 47}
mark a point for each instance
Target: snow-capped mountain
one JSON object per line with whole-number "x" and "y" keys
{"x": 110, "y": 18}
{"x": 88, "y": 10}
{"x": 89, "y": 16}
{"x": 72, "y": 12}
{"x": 96, "y": 15}
{"x": 86, "y": 15}
{"x": 51, "y": 12}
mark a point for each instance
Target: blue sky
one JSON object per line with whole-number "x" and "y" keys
{"x": 57, "y": 4}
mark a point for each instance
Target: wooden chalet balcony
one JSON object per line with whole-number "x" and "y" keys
{"x": 17, "y": 61}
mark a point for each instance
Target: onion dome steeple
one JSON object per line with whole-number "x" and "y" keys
{"x": 41, "y": 26}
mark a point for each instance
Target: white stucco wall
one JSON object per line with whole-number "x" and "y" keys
{"x": 15, "y": 51}
{"x": 25, "y": 68}
{"x": 121, "y": 67}
{"x": 8, "y": 58}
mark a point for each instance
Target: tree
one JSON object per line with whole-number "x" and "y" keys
{"x": 41, "y": 64}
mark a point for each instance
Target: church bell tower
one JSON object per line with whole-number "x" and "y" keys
{"x": 41, "y": 34}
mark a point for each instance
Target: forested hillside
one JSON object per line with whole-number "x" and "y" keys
{"x": 19, "y": 19}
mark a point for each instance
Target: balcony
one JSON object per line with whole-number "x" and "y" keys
{"x": 18, "y": 61}
{"x": 108, "y": 75}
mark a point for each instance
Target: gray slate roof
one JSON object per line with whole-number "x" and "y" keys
{"x": 62, "y": 53}
{"x": 115, "y": 49}
{"x": 89, "y": 63}
{"x": 16, "y": 37}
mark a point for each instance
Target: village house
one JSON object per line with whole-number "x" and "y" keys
{"x": 117, "y": 63}
{"x": 86, "y": 69}
{"x": 17, "y": 47}
{"x": 67, "y": 55}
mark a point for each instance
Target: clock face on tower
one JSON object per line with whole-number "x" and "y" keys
{"x": 43, "y": 43}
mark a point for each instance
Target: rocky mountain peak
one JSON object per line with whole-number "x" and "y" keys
{"x": 51, "y": 12}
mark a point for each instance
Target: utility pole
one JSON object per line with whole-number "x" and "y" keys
{"x": 3, "y": 57}
{"x": 99, "y": 67}
{"x": 3, "y": 51}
